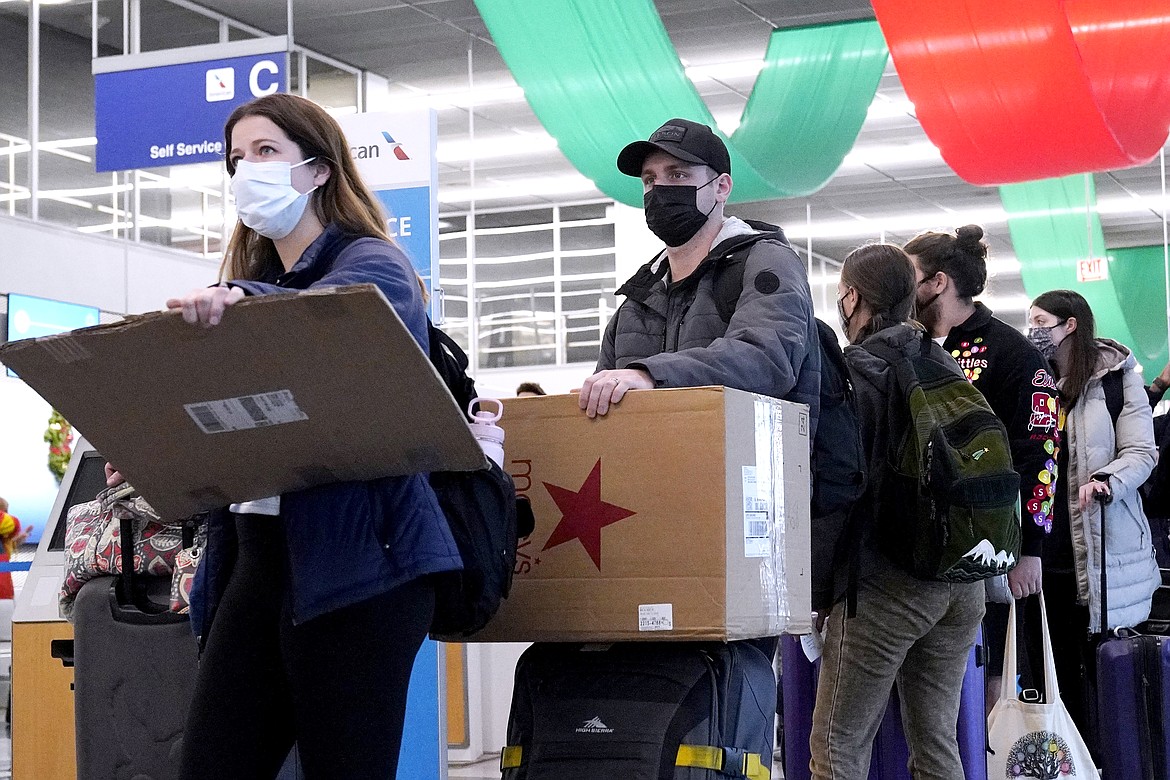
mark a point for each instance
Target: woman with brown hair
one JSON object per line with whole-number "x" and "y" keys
{"x": 917, "y": 632}
{"x": 310, "y": 606}
{"x": 1100, "y": 456}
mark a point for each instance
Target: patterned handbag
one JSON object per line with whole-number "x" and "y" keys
{"x": 93, "y": 545}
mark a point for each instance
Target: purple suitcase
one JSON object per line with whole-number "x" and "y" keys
{"x": 1133, "y": 687}
{"x": 891, "y": 755}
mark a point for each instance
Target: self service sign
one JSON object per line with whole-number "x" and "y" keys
{"x": 169, "y": 107}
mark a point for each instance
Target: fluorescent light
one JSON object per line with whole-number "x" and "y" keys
{"x": 536, "y": 187}
{"x": 492, "y": 148}
{"x": 724, "y": 70}
{"x": 461, "y": 98}
{"x": 885, "y": 108}
{"x": 879, "y": 156}
{"x": 872, "y": 228}
{"x": 728, "y": 123}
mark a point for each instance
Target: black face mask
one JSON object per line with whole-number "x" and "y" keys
{"x": 672, "y": 213}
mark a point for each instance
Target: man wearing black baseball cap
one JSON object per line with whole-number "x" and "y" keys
{"x": 725, "y": 303}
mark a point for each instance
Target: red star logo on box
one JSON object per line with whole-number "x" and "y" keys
{"x": 583, "y": 515}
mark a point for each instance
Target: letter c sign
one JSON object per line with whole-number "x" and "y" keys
{"x": 264, "y": 66}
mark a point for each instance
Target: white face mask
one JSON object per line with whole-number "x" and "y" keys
{"x": 265, "y": 198}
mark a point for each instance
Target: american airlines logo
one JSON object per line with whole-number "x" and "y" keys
{"x": 594, "y": 726}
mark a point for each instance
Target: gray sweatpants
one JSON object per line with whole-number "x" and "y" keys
{"x": 919, "y": 633}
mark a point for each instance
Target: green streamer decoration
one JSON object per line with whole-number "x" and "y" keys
{"x": 1139, "y": 275}
{"x": 809, "y": 103}
{"x": 1054, "y": 224}
{"x": 601, "y": 73}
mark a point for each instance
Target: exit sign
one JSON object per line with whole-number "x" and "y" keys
{"x": 1095, "y": 269}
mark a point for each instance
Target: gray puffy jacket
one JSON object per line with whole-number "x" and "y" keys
{"x": 673, "y": 330}
{"x": 1128, "y": 456}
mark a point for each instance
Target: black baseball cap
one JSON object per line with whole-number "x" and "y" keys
{"x": 688, "y": 141}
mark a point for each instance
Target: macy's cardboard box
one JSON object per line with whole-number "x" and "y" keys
{"x": 682, "y": 514}
{"x": 286, "y": 392}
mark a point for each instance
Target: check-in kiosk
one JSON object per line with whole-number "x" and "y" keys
{"x": 43, "y": 742}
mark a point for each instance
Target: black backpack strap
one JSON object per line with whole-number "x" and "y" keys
{"x": 451, "y": 363}
{"x": 728, "y": 283}
{"x": 728, "y": 273}
{"x": 1114, "y": 394}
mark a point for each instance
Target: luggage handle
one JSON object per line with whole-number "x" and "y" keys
{"x": 128, "y": 603}
{"x": 1103, "y": 499}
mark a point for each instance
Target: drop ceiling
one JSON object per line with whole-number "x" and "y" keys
{"x": 441, "y": 47}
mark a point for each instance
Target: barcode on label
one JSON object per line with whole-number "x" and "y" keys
{"x": 254, "y": 411}
{"x": 655, "y": 617}
{"x": 246, "y": 412}
{"x": 753, "y": 504}
{"x": 757, "y": 534}
{"x": 205, "y": 418}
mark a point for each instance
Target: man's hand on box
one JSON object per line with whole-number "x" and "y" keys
{"x": 205, "y": 306}
{"x": 608, "y": 387}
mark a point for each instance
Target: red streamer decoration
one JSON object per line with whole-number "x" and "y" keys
{"x": 1034, "y": 89}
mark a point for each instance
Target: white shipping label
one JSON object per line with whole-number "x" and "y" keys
{"x": 246, "y": 412}
{"x": 655, "y": 617}
{"x": 757, "y": 516}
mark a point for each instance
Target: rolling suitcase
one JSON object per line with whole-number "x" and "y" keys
{"x": 641, "y": 711}
{"x": 134, "y": 666}
{"x": 1133, "y": 688}
{"x": 134, "y": 672}
{"x": 891, "y": 754}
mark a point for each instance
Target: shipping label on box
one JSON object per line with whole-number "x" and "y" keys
{"x": 682, "y": 514}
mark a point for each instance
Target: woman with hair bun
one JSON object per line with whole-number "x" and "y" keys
{"x": 951, "y": 269}
{"x": 918, "y": 632}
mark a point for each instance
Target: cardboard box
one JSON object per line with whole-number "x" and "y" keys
{"x": 682, "y": 514}
{"x": 286, "y": 392}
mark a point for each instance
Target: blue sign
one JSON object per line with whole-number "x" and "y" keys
{"x": 423, "y": 755}
{"x": 174, "y": 114}
{"x": 30, "y": 317}
{"x": 408, "y": 211}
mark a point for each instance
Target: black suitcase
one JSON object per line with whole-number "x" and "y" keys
{"x": 134, "y": 666}
{"x": 641, "y": 711}
{"x": 134, "y": 672}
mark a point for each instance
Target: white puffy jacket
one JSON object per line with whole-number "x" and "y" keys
{"x": 1127, "y": 456}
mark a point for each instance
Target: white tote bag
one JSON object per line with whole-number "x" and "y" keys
{"x": 1034, "y": 740}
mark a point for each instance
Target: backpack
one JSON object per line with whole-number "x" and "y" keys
{"x": 485, "y": 516}
{"x": 837, "y": 458}
{"x": 947, "y": 504}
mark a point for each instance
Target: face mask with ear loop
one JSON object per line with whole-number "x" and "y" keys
{"x": 1041, "y": 338}
{"x": 845, "y": 318}
{"x": 672, "y": 212}
{"x": 266, "y": 201}
{"x": 924, "y": 306}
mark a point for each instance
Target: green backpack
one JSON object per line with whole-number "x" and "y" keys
{"x": 948, "y": 503}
